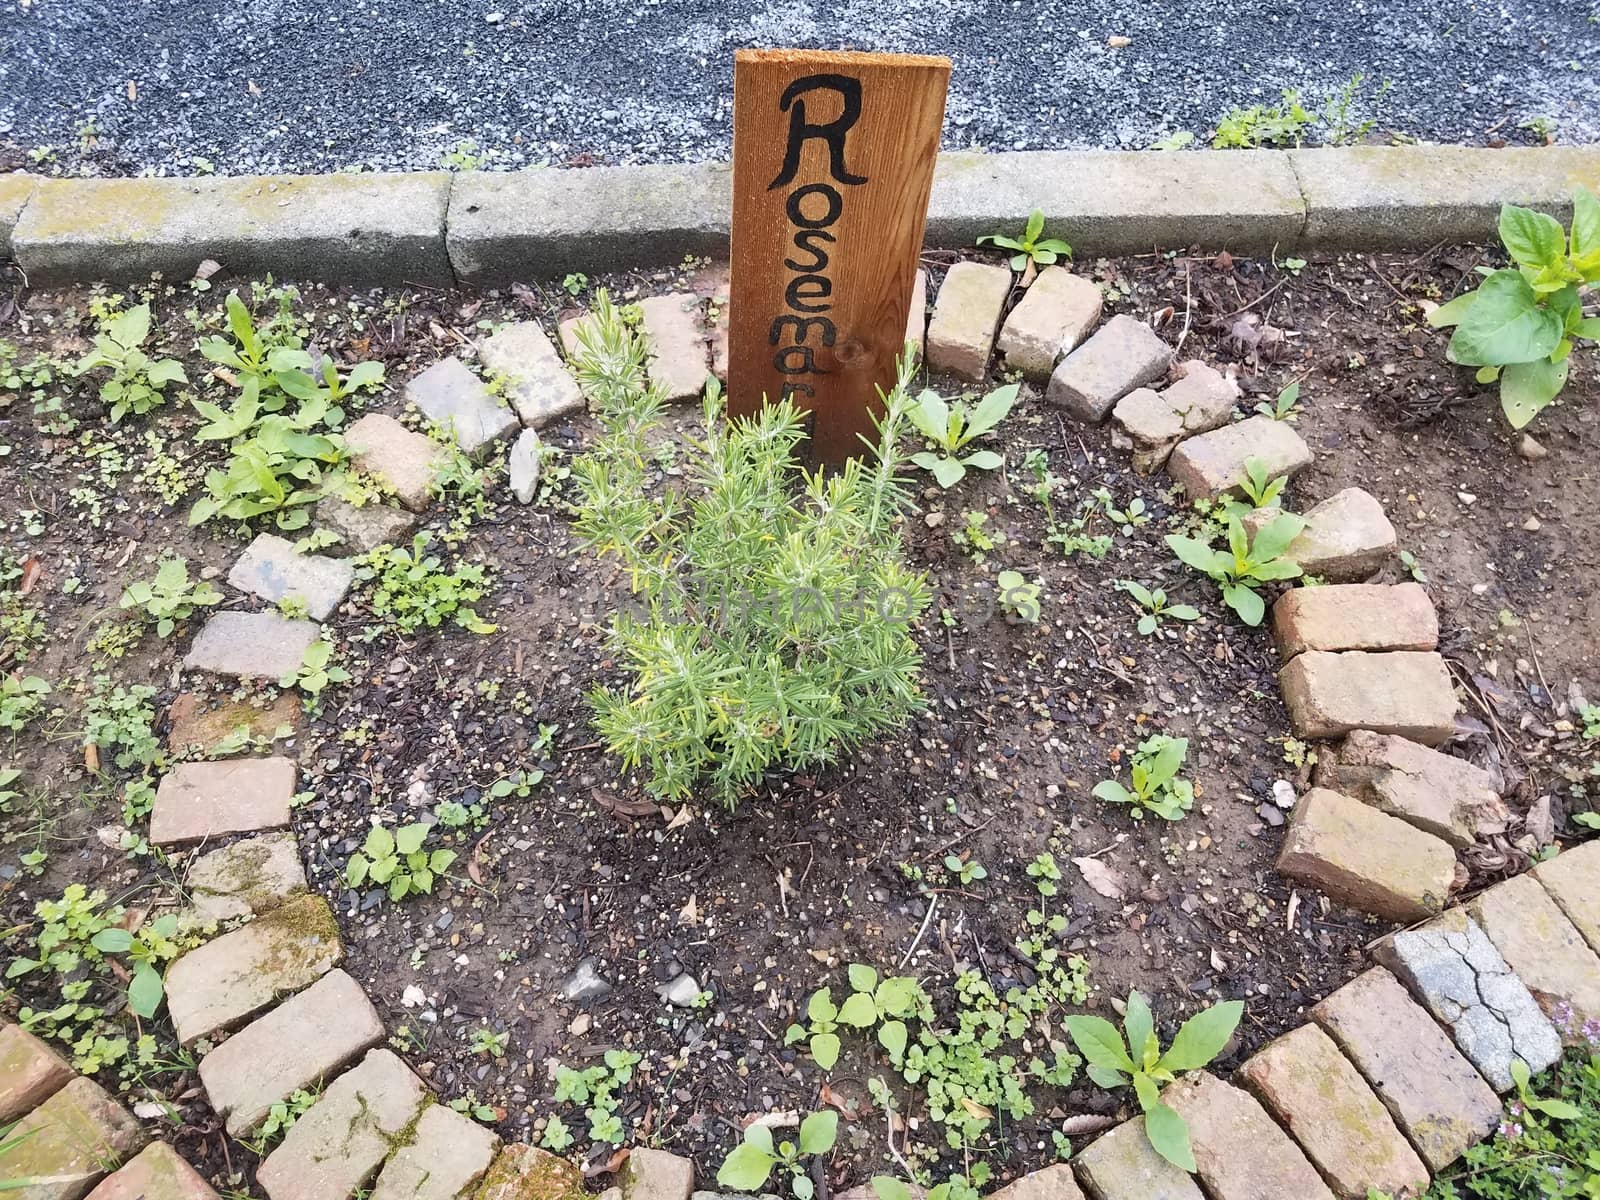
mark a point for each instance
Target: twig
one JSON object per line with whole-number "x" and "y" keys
{"x": 933, "y": 904}
{"x": 1188, "y": 305}
{"x": 1254, "y": 302}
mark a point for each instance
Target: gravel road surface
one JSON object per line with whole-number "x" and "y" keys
{"x": 179, "y": 86}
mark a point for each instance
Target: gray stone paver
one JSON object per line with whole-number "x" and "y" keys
{"x": 400, "y": 459}
{"x": 1347, "y": 537}
{"x": 1121, "y": 1165}
{"x": 231, "y": 978}
{"x": 158, "y": 1172}
{"x": 1570, "y": 878}
{"x": 523, "y": 466}
{"x": 69, "y": 1143}
{"x": 1123, "y": 354}
{"x": 250, "y": 877}
{"x": 1544, "y": 948}
{"x": 1199, "y": 401}
{"x": 272, "y": 569}
{"x": 1447, "y": 796}
{"x": 1404, "y": 692}
{"x": 448, "y": 1156}
{"x": 680, "y": 356}
{"x": 1056, "y": 313}
{"x": 302, "y": 1043}
{"x": 364, "y": 527}
{"x": 656, "y": 1175}
{"x": 30, "y": 1072}
{"x": 966, "y": 313}
{"x": 459, "y": 403}
{"x": 1454, "y": 971}
{"x": 1216, "y": 462}
{"x": 200, "y": 800}
{"x": 539, "y": 385}
{"x": 255, "y": 645}
{"x": 1241, "y": 1153}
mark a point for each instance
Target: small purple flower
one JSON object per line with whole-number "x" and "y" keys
{"x": 1510, "y": 1130}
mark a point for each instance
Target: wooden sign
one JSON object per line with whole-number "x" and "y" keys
{"x": 832, "y": 166}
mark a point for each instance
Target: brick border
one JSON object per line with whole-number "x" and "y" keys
{"x": 489, "y": 228}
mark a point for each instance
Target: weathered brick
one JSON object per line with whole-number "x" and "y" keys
{"x": 680, "y": 358}
{"x": 917, "y": 314}
{"x": 1314, "y": 1092}
{"x": 523, "y": 465}
{"x": 235, "y": 976}
{"x": 1366, "y": 859}
{"x": 302, "y": 1042}
{"x": 30, "y": 1072}
{"x": 1213, "y": 463}
{"x": 1056, "y": 313}
{"x": 1201, "y": 400}
{"x": 1354, "y": 616}
{"x": 1052, "y": 1183}
{"x": 364, "y": 527}
{"x": 69, "y": 1143}
{"x": 966, "y": 313}
{"x": 1446, "y": 796}
{"x": 523, "y": 1172}
{"x": 458, "y": 402}
{"x": 656, "y": 1175}
{"x": 156, "y": 1173}
{"x": 205, "y": 729}
{"x": 1571, "y": 879}
{"x": 1545, "y": 949}
{"x": 1122, "y": 1165}
{"x": 274, "y": 570}
{"x": 1404, "y": 692}
{"x": 540, "y": 386}
{"x": 255, "y": 645}
{"x": 1435, "y": 1096}
{"x": 250, "y": 877}
{"x": 400, "y": 459}
{"x": 337, "y": 1146}
{"x": 200, "y": 800}
{"x": 447, "y": 1156}
{"x": 1123, "y": 354}
{"x": 1347, "y": 537}
{"x": 1454, "y": 971}
{"x": 1240, "y": 1153}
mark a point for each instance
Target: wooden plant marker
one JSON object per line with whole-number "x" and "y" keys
{"x": 832, "y": 167}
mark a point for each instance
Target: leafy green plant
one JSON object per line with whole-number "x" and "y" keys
{"x": 1520, "y": 324}
{"x": 1019, "y": 599}
{"x": 317, "y": 670}
{"x": 488, "y": 1042}
{"x": 1045, "y": 873}
{"x": 281, "y": 1117}
{"x": 137, "y": 380}
{"x": 122, "y": 720}
{"x": 1156, "y": 785}
{"x": 892, "y": 1000}
{"x": 397, "y": 860}
{"x": 1285, "y": 408}
{"x": 750, "y": 1162}
{"x": 21, "y": 700}
{"x": 1031, "y": 247}
{"x": 1246, "y": 564}
{"x": 257, "y": 353}
{"x": 170, "y": 596}
{"x": 1259, "y": 125}
{"x": 972, "y": 537}
{"x": 412, "y": 590}
{"x": 1344, "y": 128}
{"x": 595, "y": 1089}
{"x": 1260, "y": 488}
{"x": 1156, "y": 609}
{"x": 776, "y": 601}
{"x": 965, "y": 871}
{"x": 952, "y": 427}
{"x": 1125, "y": 519}
{"x": 1114, "y": 1063}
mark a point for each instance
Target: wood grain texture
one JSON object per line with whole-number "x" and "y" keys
{"x": 833, "y": 159}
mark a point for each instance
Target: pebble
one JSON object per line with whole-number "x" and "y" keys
{"x": 585, "y": 984}
{"x": 1532, "y": 525}
{"x": 682, "y": 991}
{"x": 1530, "y": 449}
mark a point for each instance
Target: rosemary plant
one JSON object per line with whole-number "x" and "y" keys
{"x": 774, "y": 606}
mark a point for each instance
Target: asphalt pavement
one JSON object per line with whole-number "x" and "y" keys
{"x": 238, "y": 86}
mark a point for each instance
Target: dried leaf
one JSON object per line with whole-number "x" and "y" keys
{"x": 623, "y": 808}
{"x": 1084, "y": 1124}
{"x": 32, "y": 569}
{"x": 1101, "y": 878}
{"x": 834, "y": 1100}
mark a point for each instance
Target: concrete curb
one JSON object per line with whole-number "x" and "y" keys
{"x": 489, "y": 229}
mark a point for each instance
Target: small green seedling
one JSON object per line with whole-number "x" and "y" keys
{"x": 1262, "y": 490}
{"x": 1156, "y": 608}
{"x": 968, "y": 871}
{"x": 490, "y": 1043}
{"x": 1246, "y": 564}
{"x": 1030, "y": 247}
{"x": 398, "y": 860}
{"x": 137, "y": 380}
{"x": 951, "y": 427}
{"x": 1018, "y": 598}
{"x": 750, "y": 1163}
{"x": 890, "y": 1000}
{"x": 317, "y": 670}
{"x": 1285, "y": 408}
{"x": 169, "y": 597}
{"x": 1156, "y": 785}
{"x": 1114, "y": 1063}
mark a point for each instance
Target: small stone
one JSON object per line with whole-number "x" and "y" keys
{"x": 523, "y": 466}
{"x": 966, "y": 313}
{"x": 540, "y": 386}
{"x": 1241, "y": 1154}
{"x": 1056, "y": 313}
{"x": 1545, "y": 949}
{"x": 156, "y": 1173}
{"x": 1570, "y": 878}
{"x": 1283, "y": 794}
{"x": 1365, "y": 859}
{"x": 680, "y": 359}
{"x": 448, "y": 1155}
{"x": 682, "y": 991}
{"x": 1532, "y": 525}
{"x": 656, "y": 1175}
{"x": 304, "y": 1041}
{"x": 1454, "y": 971}
{"x": 204, "y": 730}
{"x": 1213, "y": 463}
{"x": 1155, "y": 422}
{"x": 523, "y": 1172}
{"x": 580, "y": 1024}
{"x": 1121, "y": 1165}
{"x": 459, "y": 403}
{"x": 274, "y": 570}
{"x": 1449, "y": 797}
{"x": 67, "y": 1144}
{"x": 403, "y": 461}
{"x": 917, "y": 314}
{"x": 1052, "y": 1183}
{"x": 1530, "y": 449}
{"x": 1404, "y": 692}
{"x": 200, "y": 800}
{"x": 248, "y": 878}
{"x": 1433, "y": 1093}
{"x": 1123, "y": 354}
{"x": 237, "y": 975}
{"x": 717, "y": 310}
{"x": 257, "y": 645}
{"x": 1354, "y": 616}
{"x": 30, "y": 1073}
{"x": 584, "y": 984}
{"x": 1314, "y": 1092}
{"x": 364, "y": 528}
{"x": 1347, "y": 537}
